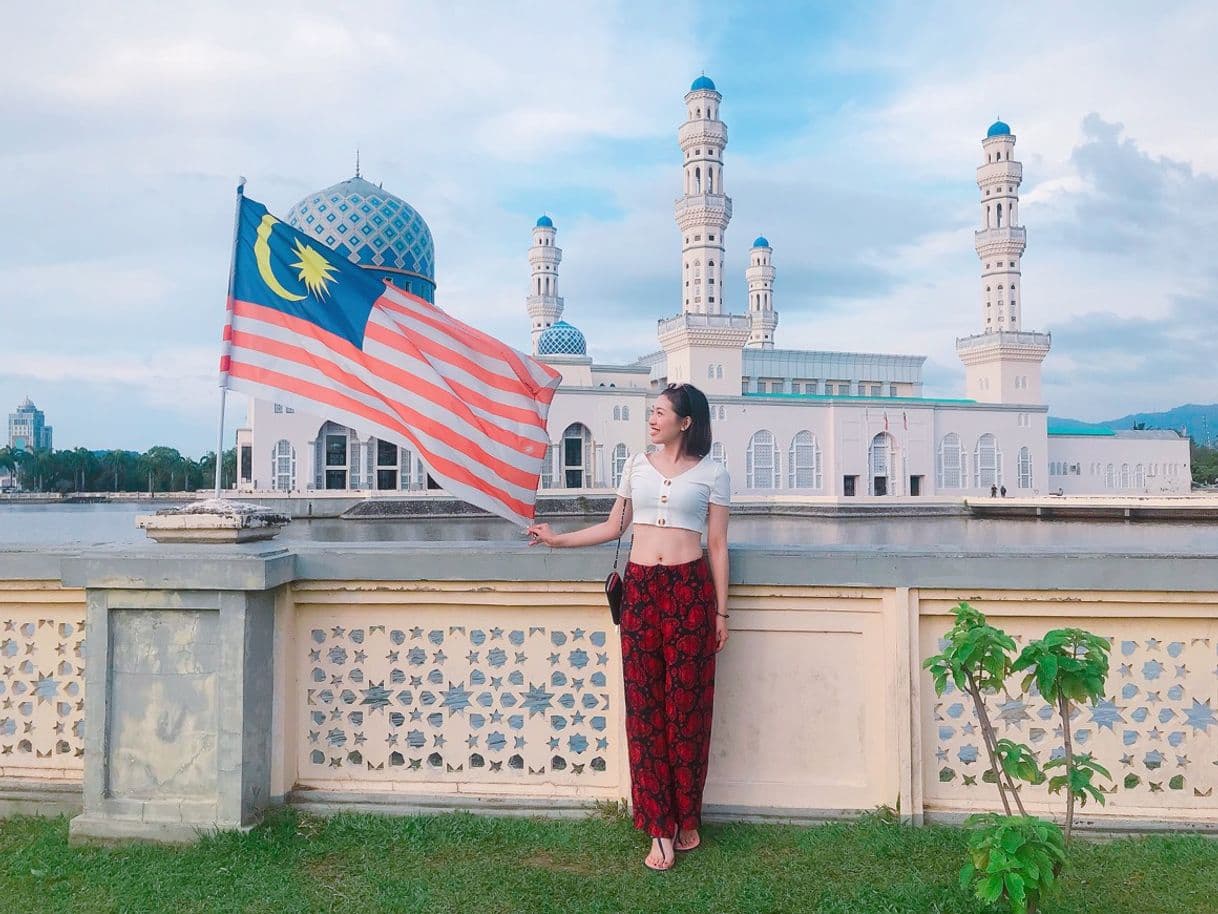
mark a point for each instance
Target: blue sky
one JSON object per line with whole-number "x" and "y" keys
{"x": 854, "y": 136}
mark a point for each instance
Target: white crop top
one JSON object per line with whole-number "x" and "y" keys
{"x": 681, "y": 501}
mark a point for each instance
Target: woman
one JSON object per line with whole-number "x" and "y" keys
{"x": 674, "y": 614}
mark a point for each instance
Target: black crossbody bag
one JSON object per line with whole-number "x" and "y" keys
{"x": 614, "y": 588}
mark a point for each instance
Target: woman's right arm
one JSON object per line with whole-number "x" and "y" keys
{"x": 588, "y": 536}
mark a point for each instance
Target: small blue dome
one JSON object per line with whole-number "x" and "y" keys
{"x": 761, "y": 242}
{"x": 561, "y": 339}
{"x": 545, "y": 222}
{"x": 998, "y": 128}
{"x": 702, "y": 82}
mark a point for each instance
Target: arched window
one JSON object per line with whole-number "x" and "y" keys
{"x": 719, "y": 454}
{"x": 1025, "y": 468}
{"x": 577, "y": 456}
{"x": 625, "y": 413}
{"x": 987, "y": 463}
{"x": 761, "y": 471}
{"x": 998, "y": 213}
{"x": 697, "y": 180}
{"x": 1109, "y": 477}
{"x": 620, "y": 456}
{"x": 880, "y": 465}
{"x": 718, "y": 372}
{"x": 950, "y": 462}
{"x": 1124, "y": 476}
{"x": 804, "y": 462}
{"x": 710, "y": 371}
{"x": 1139, "y": 478}
{"x": 617, "y": 414}
{"x": 283, "y": 466}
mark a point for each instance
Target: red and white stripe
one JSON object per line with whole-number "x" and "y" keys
{"x": 471, "y": 407}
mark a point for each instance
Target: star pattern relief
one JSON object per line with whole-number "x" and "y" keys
{"x": 449, "y": 695}
{"x": 1159, "y": 716}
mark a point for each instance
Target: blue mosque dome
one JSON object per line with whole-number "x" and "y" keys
{"x": 561, "y": 339}
{"x": 761, "y": 242}
{"x": 998, "y": 128}
{"x": 702, "y": 82}
{"x": 545, "y": 222}
{"x": 373, "y": 228}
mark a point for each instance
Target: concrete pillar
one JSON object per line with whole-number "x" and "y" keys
{"x": 178, "y": 691}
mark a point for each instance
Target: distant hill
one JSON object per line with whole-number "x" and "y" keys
{"x": 1198, "y": 422}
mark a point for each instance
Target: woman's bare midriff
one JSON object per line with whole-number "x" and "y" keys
{"x": 664, "y": 545}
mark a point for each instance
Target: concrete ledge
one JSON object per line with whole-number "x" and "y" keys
{"x": 1013, "y": 567}
{"x": 20, "y": 797}
{"x": 33, "y": 563}
{"x": 397, "y": 803}
{"x": 86, "y": 829}
{"x": 220, "y": 567}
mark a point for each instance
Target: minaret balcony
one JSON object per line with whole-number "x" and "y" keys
{"x": 1019, "y": 345}
{"x": 1004, "y": 172}
{"x": 712, "y": 133}
{"x": 1005, "y": 239}
{"x": 703, "y": 209}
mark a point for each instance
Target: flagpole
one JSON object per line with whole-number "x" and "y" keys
{"x": 228, "y": 313}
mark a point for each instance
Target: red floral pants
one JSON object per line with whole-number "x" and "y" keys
{"x": 668, "y": 663}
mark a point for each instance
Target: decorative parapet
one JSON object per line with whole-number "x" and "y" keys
{"x": 703, "y": 209}
{"x": 42, "y": 689}
{"x": 441, "y": 679}
{"x": 691, "y": 329}
{"x": 995, "y": 240}
{"x": 1019, "y": 345}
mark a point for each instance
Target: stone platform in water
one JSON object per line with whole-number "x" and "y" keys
{"x": 213, "y": 520}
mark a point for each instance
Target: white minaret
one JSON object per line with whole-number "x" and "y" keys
{"x": 705, "y": 210}
{"x": 1002, "y": 362}
{"x": 760, "y": 277}
{"x": 544, "y": 302}
{"x": 704, "y": 343}
{"x": 1001, "y": 241}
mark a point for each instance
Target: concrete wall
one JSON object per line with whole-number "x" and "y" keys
{"x": 398, "y": 678}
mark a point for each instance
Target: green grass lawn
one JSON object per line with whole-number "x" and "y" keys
{"x": 484, "y": 865}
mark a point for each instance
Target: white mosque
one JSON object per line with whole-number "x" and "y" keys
{"x": 795, "y": 421}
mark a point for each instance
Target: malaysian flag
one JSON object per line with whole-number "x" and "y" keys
{"x": 309, "y": 329}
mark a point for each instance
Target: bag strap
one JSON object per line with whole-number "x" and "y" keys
{"x": 621, "y": 525}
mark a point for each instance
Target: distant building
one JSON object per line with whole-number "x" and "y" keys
{"x": 807, "y": 422}
{"x": 27, "y": 428}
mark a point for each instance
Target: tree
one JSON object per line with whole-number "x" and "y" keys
{"x": 8, "y": 463}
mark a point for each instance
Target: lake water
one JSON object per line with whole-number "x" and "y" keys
{"x": 84, "y": 525}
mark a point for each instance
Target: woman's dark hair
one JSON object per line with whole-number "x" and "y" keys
{"x": 688, "y": 401}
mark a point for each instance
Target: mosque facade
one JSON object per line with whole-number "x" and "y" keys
{"x": 800, "y": 422}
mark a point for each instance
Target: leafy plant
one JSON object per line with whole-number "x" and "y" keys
{"x": 1019, "y": 761}
{"x": 1068, "y": 665}
{"x": 1016, "y": 857}
{"x": 977, "y": 659}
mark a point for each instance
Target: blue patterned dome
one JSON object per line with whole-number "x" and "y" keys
{"x": 998, "y": 128}
{"x": 702, "y": 82}
{"x": 761, "y": 242}
{"x": 561, "y": 339}
{"x": 545, "y": 222}
{"x": 369, "y": 226}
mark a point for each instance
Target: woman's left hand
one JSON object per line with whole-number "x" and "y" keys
{"x": 721, "y": 632}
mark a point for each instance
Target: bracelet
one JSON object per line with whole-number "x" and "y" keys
{"x": 724, "y": 615}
